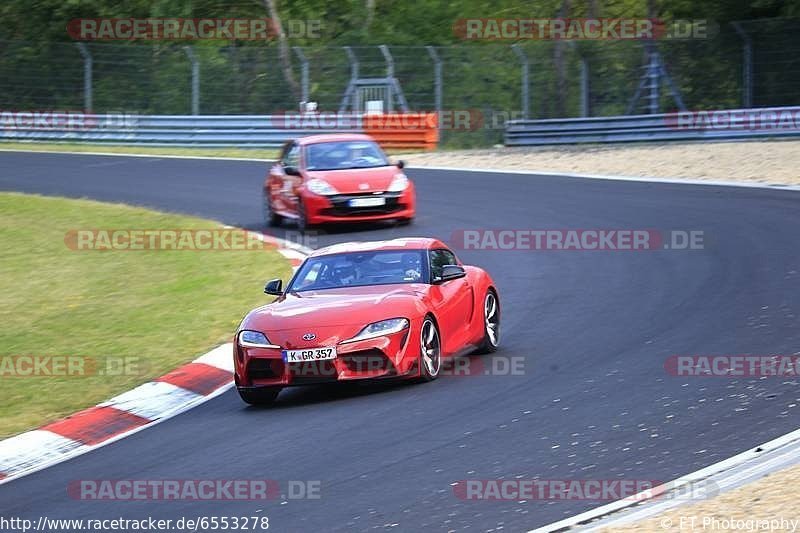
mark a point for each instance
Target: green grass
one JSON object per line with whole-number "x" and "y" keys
{"x": 163, "y": 307}
{"x": 247, "y": 153}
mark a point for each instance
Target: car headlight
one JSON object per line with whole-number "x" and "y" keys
{"x": 321, "y": 187}
{"x": 399, "y": 183}
{"x": 255, "y": 339}
{"x": 379, "y": 329}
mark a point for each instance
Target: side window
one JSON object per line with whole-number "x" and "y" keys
{"x": 291, "y": 156}
{"x": 440, "y": 258}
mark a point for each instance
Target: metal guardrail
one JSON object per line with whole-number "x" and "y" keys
{"x": 413, "y": 130}
{"x": 683, "y": 126}
{"x": 402, "y": 130}
{"x": 174, "y": 130}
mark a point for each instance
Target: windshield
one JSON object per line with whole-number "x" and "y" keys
{"x": 361, "y": 268}
{"x": 344, "y": 155}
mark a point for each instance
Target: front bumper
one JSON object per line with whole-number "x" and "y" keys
{"x": 390, "y": 356}
{"x": 336, "y": 208}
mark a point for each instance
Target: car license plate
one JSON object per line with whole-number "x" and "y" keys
{"x": 367, "y": 202}
{"x": 309, "y": 354}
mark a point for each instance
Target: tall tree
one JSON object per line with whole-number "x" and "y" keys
{"x": 560, "y": 64}
{"x": 284, "y": 53}
{"x": 370, "y": 15}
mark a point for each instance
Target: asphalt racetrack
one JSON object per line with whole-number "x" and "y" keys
{"x": 593, "y": 329}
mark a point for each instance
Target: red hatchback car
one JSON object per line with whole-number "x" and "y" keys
{"x": 336, "y": 178}
{"x": 389, "y": 309}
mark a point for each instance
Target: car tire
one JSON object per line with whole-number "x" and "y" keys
{"x": 491, "y": 323}
{"x": 259, "y": 396}
{"x": 430, "y": 350}
{"x": 271, "y": 218}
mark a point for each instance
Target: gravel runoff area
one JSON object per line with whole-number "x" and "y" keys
{"x": 773, "y": 162}
{"x": 769, "y": 504}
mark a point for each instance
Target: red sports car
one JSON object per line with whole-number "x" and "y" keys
{"x": 388, "y": 309}
{"x": 335, "y": 178}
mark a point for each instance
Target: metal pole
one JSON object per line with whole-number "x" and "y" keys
{"x": 437, "y": 86}
{"x": 352, "y": 90}
{"x": 87, "y": 77}
{"x": 748, "y": 73}
{"x": 584, "y": 87}
{"x": 353, "y": 63}
{"x": 653, "y": 75}
{"x": 387, "y": 56}
{"x": 303, "y": 72}
{"x": 747, "y": 66}
{"x": 195, "y": 79}
{"x": 672, "y": 88}
{"x": 437, "y": 78}
{"x": 525, "y": 74}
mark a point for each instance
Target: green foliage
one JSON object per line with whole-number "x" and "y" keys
{"x": 40, "y": 67}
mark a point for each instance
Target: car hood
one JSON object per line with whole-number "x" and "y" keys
{"x": 358, "y": 180}
{"x": 342, "y": 306}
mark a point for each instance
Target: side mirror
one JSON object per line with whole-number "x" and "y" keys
{"x": 274, "y": 287}
{"x": 291, "y": 171}
{"x": 450, "y": 272}
{"x": 401, "y": 164}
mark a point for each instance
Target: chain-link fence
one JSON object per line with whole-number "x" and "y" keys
{"x": 747, "y": 64}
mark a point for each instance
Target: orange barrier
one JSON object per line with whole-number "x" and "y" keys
{"x": 404, "y": 130}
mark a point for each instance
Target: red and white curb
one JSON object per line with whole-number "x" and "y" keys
{"x": 155, "y": 401}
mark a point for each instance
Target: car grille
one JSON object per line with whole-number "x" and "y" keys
{"x": 341, "y": 208}
{"x": 313, "y": 372}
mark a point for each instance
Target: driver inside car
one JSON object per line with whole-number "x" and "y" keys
{"x": 345, "y": 274}
{"x": 362, "y": 154}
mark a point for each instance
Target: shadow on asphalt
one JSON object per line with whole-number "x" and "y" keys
{"x": 288, "y": 230}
